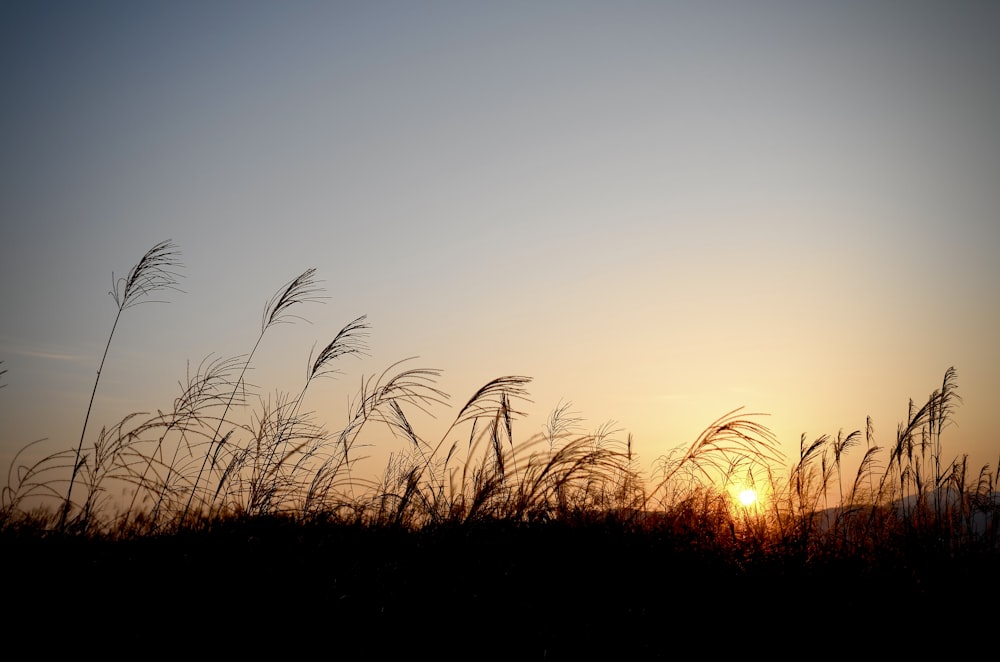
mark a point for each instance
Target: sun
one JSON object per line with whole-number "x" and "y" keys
{"x": 748, "y": 497}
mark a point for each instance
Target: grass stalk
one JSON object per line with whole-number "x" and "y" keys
{"x": 302, "y": 289}
{"x": 154, "y": 272}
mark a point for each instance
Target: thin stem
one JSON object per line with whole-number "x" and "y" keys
{"x": 86, "y": 419}
{"x": 155, "y": 271}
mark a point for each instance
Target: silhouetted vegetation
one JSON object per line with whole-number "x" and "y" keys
{"x": 238, "y": 505}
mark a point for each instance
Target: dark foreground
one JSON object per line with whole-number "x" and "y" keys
{"x": 485, "y": 592}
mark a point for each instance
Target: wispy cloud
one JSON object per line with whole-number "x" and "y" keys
{"x": 47, "y": 355}
{"x": 53, "y": 356}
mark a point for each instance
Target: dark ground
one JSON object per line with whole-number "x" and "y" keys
{"x": 496, "y": 591}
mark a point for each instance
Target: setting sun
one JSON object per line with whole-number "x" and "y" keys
{"x": 748, "y": 497}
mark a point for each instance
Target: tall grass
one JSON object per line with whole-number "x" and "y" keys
{"x": 296, "y": 292}
{"x": 154, "y": 272}
{"x": 225, "y": 450}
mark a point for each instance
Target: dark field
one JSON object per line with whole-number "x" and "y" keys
{"x": 543, "y": 591}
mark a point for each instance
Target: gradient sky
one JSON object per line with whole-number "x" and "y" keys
{"x": 659, "y": 211}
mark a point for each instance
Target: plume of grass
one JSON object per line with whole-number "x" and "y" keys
{"x": 986, "y": 507}
{"x": 860, "y": 496}
{"x": 284, "y": 440}
{"x": 922, "y": 430}
{"x": 98, "y": 467}
{"x": 250, "y": 482}
{"x": 350, "y": 340}
{"x": 278, "y": 310}
{"x": 36, "y": 482}
{"x": 731, "y": 440}
{"x": 625, "y": 493}
{"x": 617, "y": 491}
{"x": 152, "y": 473}
{"x": 425, "y": 484}
{"x": 397, "y": 500}
{"x": 380, "y": 398}
{"x": 841, "y": 445}
{"x": 942, "y": 405}
{"x": 562, "y": 420}
{"x": 491, "y": 402}
{"x": 155, "y": 272}
{"x": 807, "y": 486}
{"x": 559, "y": 481}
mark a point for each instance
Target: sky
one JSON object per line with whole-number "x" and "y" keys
{"x": 658, "y": 211}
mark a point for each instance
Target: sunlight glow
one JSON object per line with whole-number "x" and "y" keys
{"x": 748, "y": 497}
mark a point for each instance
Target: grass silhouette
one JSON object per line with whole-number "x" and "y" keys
{"x": 240, "y": 501}
{"x": 153, "y": 273}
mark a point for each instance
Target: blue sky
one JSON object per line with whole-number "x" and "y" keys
{"x": 658, "y": 211}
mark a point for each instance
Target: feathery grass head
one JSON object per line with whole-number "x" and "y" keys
{"x": 349, "y": 341}
{"x": 561, "y": 421}
{"x": 209, "y": 385}
{"x": 844, "y": 443}
{"x": 155, "y": 271}
{"x": 733, "y": 440}
{"x": 494, "y": 396}
{"x": 302, "y": 289}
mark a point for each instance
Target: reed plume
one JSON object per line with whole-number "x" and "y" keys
{"x": 302, "y": 289}
{"x": 731, "y": 440}
{"x": 155, "y": 272}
